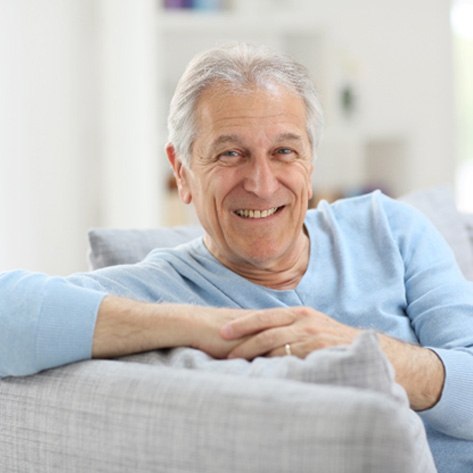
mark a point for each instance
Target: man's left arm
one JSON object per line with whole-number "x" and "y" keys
{"x": 419, "y": 370}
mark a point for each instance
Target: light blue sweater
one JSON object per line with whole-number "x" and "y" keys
{"x": 374, "y": 263}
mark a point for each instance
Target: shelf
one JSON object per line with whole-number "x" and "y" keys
{"x": 232, "y": 23}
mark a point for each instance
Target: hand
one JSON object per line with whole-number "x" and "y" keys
{"x": 204, "y": 329}
{"x": 266, "y": 332}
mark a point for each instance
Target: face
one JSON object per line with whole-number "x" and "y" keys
{"x": 250, "y": 176}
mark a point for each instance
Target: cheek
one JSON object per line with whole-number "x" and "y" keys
{"x": 209, "y": 196}
{"x": 308, "y": 180}
{"x": 221, "y": 185}
{"x": 301, "y": 182}
{"x": 310, "y": 190}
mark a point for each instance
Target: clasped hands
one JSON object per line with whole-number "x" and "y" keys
{"x": 249, "y": 334}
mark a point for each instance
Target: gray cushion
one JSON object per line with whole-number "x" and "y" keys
{"x": 360, "y": 365}
{"x": 468, "y": 221}
{"x": 111, "y": 246}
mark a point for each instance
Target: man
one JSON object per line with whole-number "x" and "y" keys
{"x": 268, "y": 278}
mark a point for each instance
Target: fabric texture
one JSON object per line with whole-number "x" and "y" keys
{"x": 109, "y": 246}
{"x": 360, "y": 365}
{"x": 178, "y": 412}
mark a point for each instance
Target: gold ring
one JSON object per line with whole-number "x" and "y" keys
{"x": 287, "y": 349}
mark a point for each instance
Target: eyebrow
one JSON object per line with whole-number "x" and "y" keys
{"x": 225, "y": 139}
{"x": 288, "y": 137}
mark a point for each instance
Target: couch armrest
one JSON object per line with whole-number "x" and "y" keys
{"x": 123, "y": 416}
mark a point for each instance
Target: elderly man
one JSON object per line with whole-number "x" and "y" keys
{"x": 268, "y": 278}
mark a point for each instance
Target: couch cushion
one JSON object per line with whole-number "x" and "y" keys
{"x": 140, "y": 415}
{"x": 438, "y": 204}
{"x": 111, "y": 246}
{"x": 360, "y": 365}
{"x": 468, "y": 221}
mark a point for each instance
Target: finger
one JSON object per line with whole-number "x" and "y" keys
{"x": 288, "y": 349}
{"x": 256, "y": 322}
{"x": 261, "y": 344}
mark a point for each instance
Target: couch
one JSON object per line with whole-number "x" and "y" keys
{"x": 180, "y": 411}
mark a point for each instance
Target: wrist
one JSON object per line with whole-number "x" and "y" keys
{"x": 418, "y": 370}
{"x": 126, "y": 326}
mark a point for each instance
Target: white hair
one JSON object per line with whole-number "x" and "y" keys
{"x": 239, "y": 66}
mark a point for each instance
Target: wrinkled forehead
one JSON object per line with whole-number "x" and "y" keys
{"x": 222, "y": 101}
{"x": 257, "y": 117}
{"x": 222, "y": 90}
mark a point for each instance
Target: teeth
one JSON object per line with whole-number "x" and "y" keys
{"x": 256, "y": 213}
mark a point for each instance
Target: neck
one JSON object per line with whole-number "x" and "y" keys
{"x": 285, "y": 274}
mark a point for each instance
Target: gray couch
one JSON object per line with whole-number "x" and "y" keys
{"x": 179, "y": 411}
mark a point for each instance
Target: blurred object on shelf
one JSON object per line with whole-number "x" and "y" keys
{"x": 175, "y": 4}
{"x": 208, "y": 5}
{"x": 198, "y": 5}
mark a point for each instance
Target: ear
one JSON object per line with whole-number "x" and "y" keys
{"x": 180, "y": 173}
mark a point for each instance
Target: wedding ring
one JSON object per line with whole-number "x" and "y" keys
{"x": 287, "y": 349}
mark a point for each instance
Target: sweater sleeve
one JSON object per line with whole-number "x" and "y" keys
{"x": 440, "y": 308}
{"x": 44, "y": 322}
{"x": 453, "y": 414}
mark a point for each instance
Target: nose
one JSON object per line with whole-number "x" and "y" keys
{"x": 261, "y": 177}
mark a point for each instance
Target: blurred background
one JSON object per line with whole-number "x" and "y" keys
{"x": 85, "y": 87}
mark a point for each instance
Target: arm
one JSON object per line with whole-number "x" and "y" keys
{"x": 418, "y": 369}
{"x": 47, "y": 322}
{"x": 44, "y": 322}
{"x": 125, "y": 326}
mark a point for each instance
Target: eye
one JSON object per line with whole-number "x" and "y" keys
{"x": 230, "y": 156}
{"x": 285, "y": 154}
{"x": 284, "y": 151}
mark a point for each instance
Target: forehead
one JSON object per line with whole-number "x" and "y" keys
{"x": 221, "y": 108}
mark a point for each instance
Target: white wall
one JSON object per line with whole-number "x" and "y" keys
{"x": 398, "y": 54}
{"x": 48, "y": 132}
{"x": 77, "y": 126}
{"x": 132, "y": 191}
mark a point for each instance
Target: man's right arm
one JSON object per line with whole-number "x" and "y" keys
{"x": 125, "y": 326}
{"x": 47, "y": 322}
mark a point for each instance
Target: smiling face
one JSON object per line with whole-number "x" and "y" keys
{"x": 250, "y": 177}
